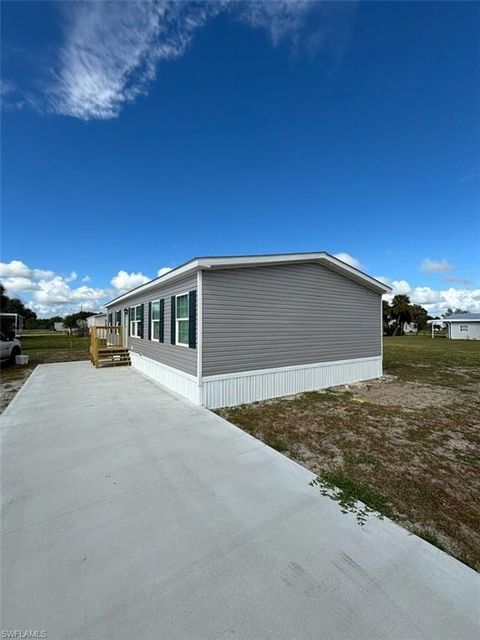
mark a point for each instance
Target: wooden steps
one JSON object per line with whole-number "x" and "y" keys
{"x": 106, "y": 347}
{"x": 112, "y": 357}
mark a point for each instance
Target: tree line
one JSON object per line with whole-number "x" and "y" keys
{"x": 15, "y": 305}
{"x": 400, "y": 310}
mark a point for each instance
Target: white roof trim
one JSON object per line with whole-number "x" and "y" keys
{"x": 230, "y": 262}
{"x": 462, "y": 320}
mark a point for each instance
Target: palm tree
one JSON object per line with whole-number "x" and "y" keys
{"x": 401, "y": 311}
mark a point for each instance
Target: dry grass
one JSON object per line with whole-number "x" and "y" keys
{"x": 407, "y": 446}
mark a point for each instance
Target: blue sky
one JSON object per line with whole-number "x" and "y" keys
{"x": 138, "y": 135}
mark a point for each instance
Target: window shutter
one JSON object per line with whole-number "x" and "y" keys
{"x": 173, "y": 312}
{"x": 129, "y": 320}
{"x": 149, "y": 320}
{"x": 192, "y": 319}
{"x": 162, "y": 320}
{"x": 140, "y": 332}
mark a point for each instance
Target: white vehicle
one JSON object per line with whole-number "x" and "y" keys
{"x": 9, "y": 348}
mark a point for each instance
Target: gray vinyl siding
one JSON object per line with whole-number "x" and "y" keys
{"x": 182, "y": 358}
{"x": 276, "y": 316}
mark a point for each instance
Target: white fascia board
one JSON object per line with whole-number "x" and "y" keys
{"x": 254, "y": 261}
{"x": 464, "y": 321}
{"x": 356, "y": 274}
{"x": 167, "y": 277}
{"x": 322, "y": 257}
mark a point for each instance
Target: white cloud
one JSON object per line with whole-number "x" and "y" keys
{"x": 111, "y": 50}
{"x": 71, "y": 277}
{"x": 125, "y": 281}
{"x": 401, "y": 288}
{"x": 15, "y": 284}
{"x": 475, "y": 175}
{"x": 14, "y": 268}
{"x": 436, "y": 301}
{"x": 46, "y": 292}
{"x": 17, "y": 268}
{"x": 281, "y": 18}
{"x": 58, "y": 291}
{"x": 12, "y": 97}
{"x": 435, "y": 266}
{"x": 49, "y": 293}
{"x": 346, "y": 257}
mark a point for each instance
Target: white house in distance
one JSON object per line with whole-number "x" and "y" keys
{"x": 98, "y": 320}
{"x": 463, "y": 326}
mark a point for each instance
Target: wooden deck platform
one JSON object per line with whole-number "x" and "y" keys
{"x": 107, "y": 347}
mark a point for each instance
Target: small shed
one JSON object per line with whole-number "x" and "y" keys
{"x": 463, "y": 326}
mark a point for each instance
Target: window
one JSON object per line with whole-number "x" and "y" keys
{"x": 181, "y": 304}
{"x": 118, "y": 318}
{"x": 155, "y": 328}
{"x": 135, "y": 321}
{"x": 110, "y": 321}
{"x": 463, "y": 327}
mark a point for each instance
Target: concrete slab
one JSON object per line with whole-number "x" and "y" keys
{"x": 128, "y": 512}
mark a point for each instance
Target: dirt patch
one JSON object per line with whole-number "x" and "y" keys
{"x": 406, "y": 445}
{"x": 409, "y": 395}
{"x": 12, "y": 380}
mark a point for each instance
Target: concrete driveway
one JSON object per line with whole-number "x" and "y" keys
{"x": 130, "y": 513}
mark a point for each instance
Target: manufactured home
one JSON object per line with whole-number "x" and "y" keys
{"x": 223, "y": 331}
{"x": 463, "y": 326}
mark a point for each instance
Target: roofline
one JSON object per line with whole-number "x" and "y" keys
{"x": 461, "y": 320}
{"x": 225, "y": 262}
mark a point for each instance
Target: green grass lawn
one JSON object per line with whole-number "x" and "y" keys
{"x": 55, "y": 348}
{"x": 407, "y": 446}
{"x": 439, "y": 361}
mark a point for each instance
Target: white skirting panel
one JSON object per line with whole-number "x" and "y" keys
{"x": 250, "y": 386}
{"x": 174, "y": 379}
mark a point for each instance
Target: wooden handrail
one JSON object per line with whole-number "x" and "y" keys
{"x": 105, "y": 338}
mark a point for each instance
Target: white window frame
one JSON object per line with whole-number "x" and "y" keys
{"x": 152, "y": 321}
{"x": 177, "y": 320}
{"x": 133, "y": 312}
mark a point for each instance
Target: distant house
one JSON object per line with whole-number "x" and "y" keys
{"x": 229, "y": 330}
{"x": 58, "y": 326}
{"x": 98, "y": 320}
{"x": 408, "y": 327}
{"x": 463, "y": 326}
